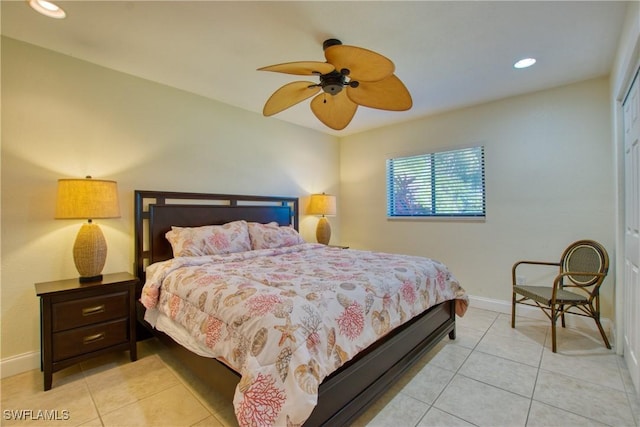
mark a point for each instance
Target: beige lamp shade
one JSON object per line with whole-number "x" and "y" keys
{"x": 88, "y": 199}
{"x": 322, "y": 204}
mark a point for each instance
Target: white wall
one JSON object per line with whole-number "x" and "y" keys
{"x": 63, "y": 118}
{"x": 549, "y": 182}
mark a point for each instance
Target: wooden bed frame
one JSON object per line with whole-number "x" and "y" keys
{"x": 345, "y": 394}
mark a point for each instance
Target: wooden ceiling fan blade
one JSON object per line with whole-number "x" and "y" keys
{"x": 335, "y": 111}
{"x": 288, "y": 96}
{"x": 388, "y": 94}
{"x": 301, "y": 68}
{"x": 364, "y": 65}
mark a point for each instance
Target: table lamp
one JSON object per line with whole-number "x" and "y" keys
{"x": 322, "y": 204}
{"x": 88, "y": 199}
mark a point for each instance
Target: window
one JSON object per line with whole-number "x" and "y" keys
{"x": 443, "y": 184}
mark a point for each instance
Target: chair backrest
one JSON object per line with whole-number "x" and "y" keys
{"x": 585, "y": 256}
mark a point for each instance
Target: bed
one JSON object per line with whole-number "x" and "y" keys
{"x": 292, "y": 384}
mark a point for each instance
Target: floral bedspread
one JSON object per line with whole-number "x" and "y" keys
{"x": 286, "y": 318}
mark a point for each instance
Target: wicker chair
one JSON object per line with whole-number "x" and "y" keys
{"x": 583, "y": 267}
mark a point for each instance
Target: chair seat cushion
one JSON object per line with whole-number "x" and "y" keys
{"x": 542, "y": 294}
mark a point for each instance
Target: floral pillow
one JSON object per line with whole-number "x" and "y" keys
{"x": 271, "y": 235}
{"x": 209, "y": 239}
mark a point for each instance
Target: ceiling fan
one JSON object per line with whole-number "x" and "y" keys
{"x": 367, "y": 76}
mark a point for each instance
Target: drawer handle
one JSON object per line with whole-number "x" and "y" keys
{"x": 93, "y": 338}
{"x": 93, "y": 310}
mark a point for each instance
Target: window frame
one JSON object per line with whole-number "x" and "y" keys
{"x": 432, "y": 156}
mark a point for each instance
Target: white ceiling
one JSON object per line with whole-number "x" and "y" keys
{"x": 449, "y": 54}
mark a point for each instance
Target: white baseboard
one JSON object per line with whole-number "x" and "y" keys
{"x": 491, "y": 304}
{"x": 24, "y": 362}
{"x": 572, "y": 320}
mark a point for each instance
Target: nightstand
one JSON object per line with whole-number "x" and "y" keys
{"x": 79, "y": 321}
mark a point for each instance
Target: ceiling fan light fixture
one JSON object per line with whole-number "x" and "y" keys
{"x": 47, "y": 8}
{"x": 332, "y": 89}
{"x": 524, "y": 63}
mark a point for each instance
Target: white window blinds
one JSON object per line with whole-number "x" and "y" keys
{"x": 442, "y": 184}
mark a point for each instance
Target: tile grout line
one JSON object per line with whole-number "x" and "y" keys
{"x": 195, "y": 395}
{"x": 457, "y": 371}
{"x": 535, "y": 382}
{"x": 138, "y": 400}
{"x": 540, "y": 369}
{"x": 630, "y": 395}
{"x": 86, "y": 383}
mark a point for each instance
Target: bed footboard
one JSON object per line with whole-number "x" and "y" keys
{"x": 348, "y": 392}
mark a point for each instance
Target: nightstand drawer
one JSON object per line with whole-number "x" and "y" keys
{"x": 86, "y": 311}
{"x": 90, "y": 338}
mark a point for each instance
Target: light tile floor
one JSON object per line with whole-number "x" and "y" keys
{"x": 491, "y": 375}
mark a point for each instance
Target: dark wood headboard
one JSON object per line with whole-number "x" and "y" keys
{"x": 156, "y": 211}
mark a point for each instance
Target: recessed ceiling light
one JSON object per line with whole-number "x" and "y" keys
{"x": 524, "y": 63}
{"x": 47, "y": 8}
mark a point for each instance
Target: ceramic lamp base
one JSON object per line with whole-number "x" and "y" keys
{"x": 323, "y": 231}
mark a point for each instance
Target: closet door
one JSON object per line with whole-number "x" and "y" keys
{"x": 631, "y": 107}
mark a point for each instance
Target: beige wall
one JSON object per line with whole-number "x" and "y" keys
{"x": 62, "y": 118}
{"x": 548, "y": 159}
{"x": 549, "y": 182}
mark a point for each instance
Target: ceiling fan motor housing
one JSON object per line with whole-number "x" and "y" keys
{"x": 330, "y": 42}
{"x": 332, "y": 83}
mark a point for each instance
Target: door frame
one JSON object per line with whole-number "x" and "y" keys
{"x": 623, "y": 84}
